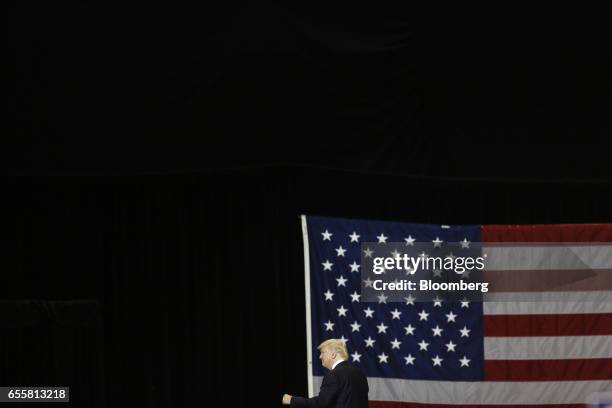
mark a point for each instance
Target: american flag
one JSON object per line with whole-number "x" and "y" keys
{"x": 528, "y": 345}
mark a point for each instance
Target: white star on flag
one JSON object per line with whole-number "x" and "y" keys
{"x": 370, "y": 342}
{"x": 356, "y": 356}
{"x": 341, "y": 281}
{"x": 465, "y": 362}
{"x": 327, "y": 235}
{"x": 382, "y": 328}
{"x": 465, "y": 332}
{"x": 341, "y": 311}
{"x": 340, "y": 251}
{"x": 450, "y": 346}
{"x": 355, "y": 326}
{"x": 327, "y": 265}
{"x": 450, "y": 317}
{"x": 396, "y": 314}
{"x": 329, "y": 326}
{"x": 355, "y": 296}
{"x": 409, "y": 359}
{"x": 409, "y": 240}
{"x": 382, "y": 239}
{"x": 423, "y": 315}
{"x": 354, "y": 267}
{"x": 329, "y": 295}
{"x": 354, "y": 237}
{"x": 409, "y": 330}
{"x": 395, "y": 344}
{"x": 382, "y": 358}
{"x": 369, "y": 312}
{"x": 437, "y": 361}
{"x": 437, "y": 242}
{"x": 423, "y": 345}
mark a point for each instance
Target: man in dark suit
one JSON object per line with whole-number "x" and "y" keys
{"x": 344, "y": 386}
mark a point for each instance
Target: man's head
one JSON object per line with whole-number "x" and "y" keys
{"x": 332, "y": 350}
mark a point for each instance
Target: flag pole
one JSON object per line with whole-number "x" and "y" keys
{"x": 309, "y": 373}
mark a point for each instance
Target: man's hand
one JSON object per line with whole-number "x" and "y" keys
{"x": 286, "y": 399}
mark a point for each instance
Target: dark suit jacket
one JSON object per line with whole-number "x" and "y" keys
{"x": 346, "y": 386}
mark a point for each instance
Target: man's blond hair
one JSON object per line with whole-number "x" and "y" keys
{"x": 335, "y": 345}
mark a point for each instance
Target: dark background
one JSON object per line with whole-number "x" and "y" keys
{"x": 151, "y": 250}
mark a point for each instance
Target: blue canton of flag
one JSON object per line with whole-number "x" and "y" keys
{"x": 411, "y": 340}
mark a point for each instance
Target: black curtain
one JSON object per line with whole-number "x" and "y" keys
{"x": 462, "y": 90}
{"x": 54, "y": 343}
{"x": 199, "y": 278}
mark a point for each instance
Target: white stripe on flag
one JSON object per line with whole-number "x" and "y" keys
{"x": 494, "y": 392}
{"x": 548, "y": 257}
{"x": 540, "y": 348}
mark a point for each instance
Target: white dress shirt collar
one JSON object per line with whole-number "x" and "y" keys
{"x": 336, "y": 363}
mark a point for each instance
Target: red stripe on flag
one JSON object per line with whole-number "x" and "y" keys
{"x": 393, "y": 404}
{"x": 547, "y": 280}
{"x": 547, "y": 233}
{"x": 548, "y": 370}
{"x": 547, "y": 325}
